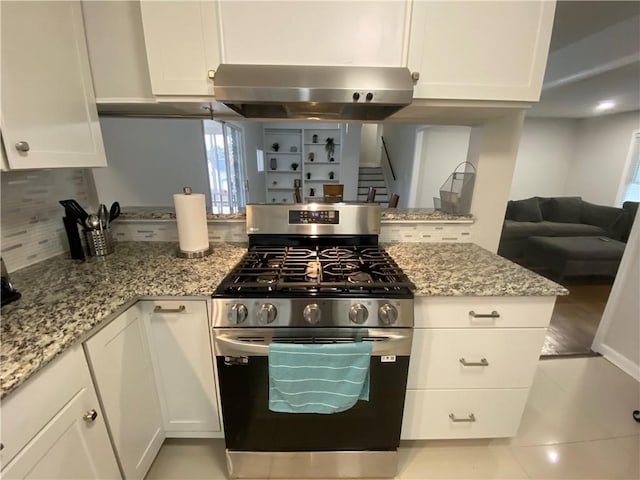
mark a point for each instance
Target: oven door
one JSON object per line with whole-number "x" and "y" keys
{"x": 249, "y": 425}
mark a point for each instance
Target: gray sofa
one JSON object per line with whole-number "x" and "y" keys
{"x": 530, "y": 225}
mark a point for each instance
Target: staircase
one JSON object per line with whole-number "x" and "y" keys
{"x": 372, "y": 177}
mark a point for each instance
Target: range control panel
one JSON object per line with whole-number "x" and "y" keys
{"x": 321, "y": 217}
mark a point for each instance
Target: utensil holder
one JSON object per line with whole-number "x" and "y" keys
{"x": 99, "y": 242}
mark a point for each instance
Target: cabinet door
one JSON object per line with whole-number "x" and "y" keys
{"x": 182, "y": 45}
{"x": 314, "y": 33}
{"x": 480, "y": 50}
{"x": 69, "y": 446}
{"x": 181, "y": 347}
{"x": 121, "y": 362}
{"x": 49, "y": 117}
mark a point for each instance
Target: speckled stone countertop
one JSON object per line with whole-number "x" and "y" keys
{"x": 465, "y": 269}
{"x": 391, "y": 215}
{"x": 63, "y": 300}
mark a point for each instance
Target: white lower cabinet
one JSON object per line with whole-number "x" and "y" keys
{"x": 472, "y": 364}
{"x": 64, "y": 435}
{"x": 433, "y": 414}
{"x": 178, "y": 333}
{"x": 120, "y": 359}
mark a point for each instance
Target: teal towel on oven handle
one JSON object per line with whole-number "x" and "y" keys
{"x": 318, "y": 378}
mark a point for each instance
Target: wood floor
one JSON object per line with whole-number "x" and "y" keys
{"x": 576, "y": 316}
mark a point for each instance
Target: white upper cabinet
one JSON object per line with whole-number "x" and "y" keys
{"x": 182, "y": 46}
{"x": 117, "y": 54}
{"x": 480, "y": 50}
{"x": 314, "y": 33}
{"x": 48, "y": 116}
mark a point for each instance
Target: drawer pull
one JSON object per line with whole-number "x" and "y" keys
{"x": 90, "y": 416}
{"x": 482, "y": 363}
{"x": 159, "y": 309}
{"x": 493, "y": 314}
{"x": 470, "y": 418}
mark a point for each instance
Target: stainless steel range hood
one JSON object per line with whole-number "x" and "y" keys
{"x": 313, "y": 92}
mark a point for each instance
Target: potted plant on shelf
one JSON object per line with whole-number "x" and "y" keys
{"x": 330, "y": 147}
{"x": 294, "y": 166}
{"x": 275, "y": 146}
{"x": 331, "y": 175}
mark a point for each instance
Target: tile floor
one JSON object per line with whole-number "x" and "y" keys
{"x": 577, "y": 425}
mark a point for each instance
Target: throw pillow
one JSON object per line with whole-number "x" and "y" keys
{"x": 565, "y": 209}
{"x": 526, "y": 210}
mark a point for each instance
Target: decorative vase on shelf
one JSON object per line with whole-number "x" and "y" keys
{"x": 275, "y": 146}
{"x": 331, "y": 174}
{"x": 311, "y": 156}
{"x": 332, "y": 159}
{"x": 314, "y": 139}
{"x": 294, "y": 166}
{"x": 308, "y": 175}
{"x": 312, "y": 192}
{"x": 274, "y": 163}
{"x": 330, "y": 147}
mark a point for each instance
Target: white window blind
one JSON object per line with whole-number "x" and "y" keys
{"x": 631, "y": 187}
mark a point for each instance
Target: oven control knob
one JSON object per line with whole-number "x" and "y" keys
{"x": 358, "y": 313}
{"x": 237, "y": 313}
{"x": 312, "y": 313}
{"x": 267, "y": 313}
{"x": 388, "y": 314}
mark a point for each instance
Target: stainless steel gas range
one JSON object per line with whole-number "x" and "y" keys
{"x": 313, "y": 274}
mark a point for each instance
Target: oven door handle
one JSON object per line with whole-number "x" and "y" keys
{"x": 385, "y": 342}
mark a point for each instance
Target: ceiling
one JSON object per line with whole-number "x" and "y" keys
{"x": 575, "y": 94}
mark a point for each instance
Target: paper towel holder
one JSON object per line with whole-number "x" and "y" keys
{"x": 197, "y": 253}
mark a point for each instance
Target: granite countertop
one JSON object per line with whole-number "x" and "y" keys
{"x": 391, "y": 215}
{"x": 63, "y": 300}
{"x": 466, "y": 269}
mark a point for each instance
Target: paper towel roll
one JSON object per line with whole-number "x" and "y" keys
{"x": 191, "y": 216}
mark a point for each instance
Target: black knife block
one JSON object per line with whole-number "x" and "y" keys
{"x": 75, "y": 244}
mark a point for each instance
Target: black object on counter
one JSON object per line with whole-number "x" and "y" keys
{"x": 9, "y": 293}
{"x": 75, "y": 244}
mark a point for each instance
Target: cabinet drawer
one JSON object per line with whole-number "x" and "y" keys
{"x": 483, "y": 312}
{"x": 489, "y": 413}
{"x": 42, "y": 397}
{"x": 441, "y": 358}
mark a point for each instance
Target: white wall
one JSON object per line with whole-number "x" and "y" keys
{"x": 545, "y": 156}
{"x": 443, "y": 148}
{"x": 618, "y": 336}
{"x": 350, "y": 160}
{"x": 150, "y": 159}
{"x": 401, "y": 144}
{"x": 253, "y": 140}
{"x": 493, "y": 149}
{"x": 601, "y": 151}
{"x": 370, "y": 144}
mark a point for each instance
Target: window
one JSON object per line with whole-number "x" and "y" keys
{"x": 224, "y": 144}
{"x": 630, "y": 189}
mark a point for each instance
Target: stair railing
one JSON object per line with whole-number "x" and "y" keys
{"x": 384, "y": 145}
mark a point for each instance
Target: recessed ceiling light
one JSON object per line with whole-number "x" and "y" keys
{"x": 605, "y": 105}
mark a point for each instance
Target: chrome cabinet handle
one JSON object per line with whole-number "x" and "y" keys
{"x": 493, "y": 314}
{"x": 470, "y": 418}
{"x": 22, "y": 146}
{"x": 159, "y": 309}
{"x": 90, "y": 416}
{"x": 482, "y": 363}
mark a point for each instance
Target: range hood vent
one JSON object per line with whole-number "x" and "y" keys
{"x": 313, "y": 92}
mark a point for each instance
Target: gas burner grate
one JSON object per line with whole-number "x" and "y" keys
{"x": 298, "y": 270}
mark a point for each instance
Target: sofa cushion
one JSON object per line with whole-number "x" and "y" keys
{"x": 565, "y": 209}
{"x": 512, "y": 229}
{"x": 526, "y": 210}
{"x": 611, "y": 219}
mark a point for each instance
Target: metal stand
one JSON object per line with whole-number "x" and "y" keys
{"x": 197, "y": 254}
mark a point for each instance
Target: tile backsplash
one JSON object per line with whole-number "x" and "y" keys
{"x": 31, "y": 221}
